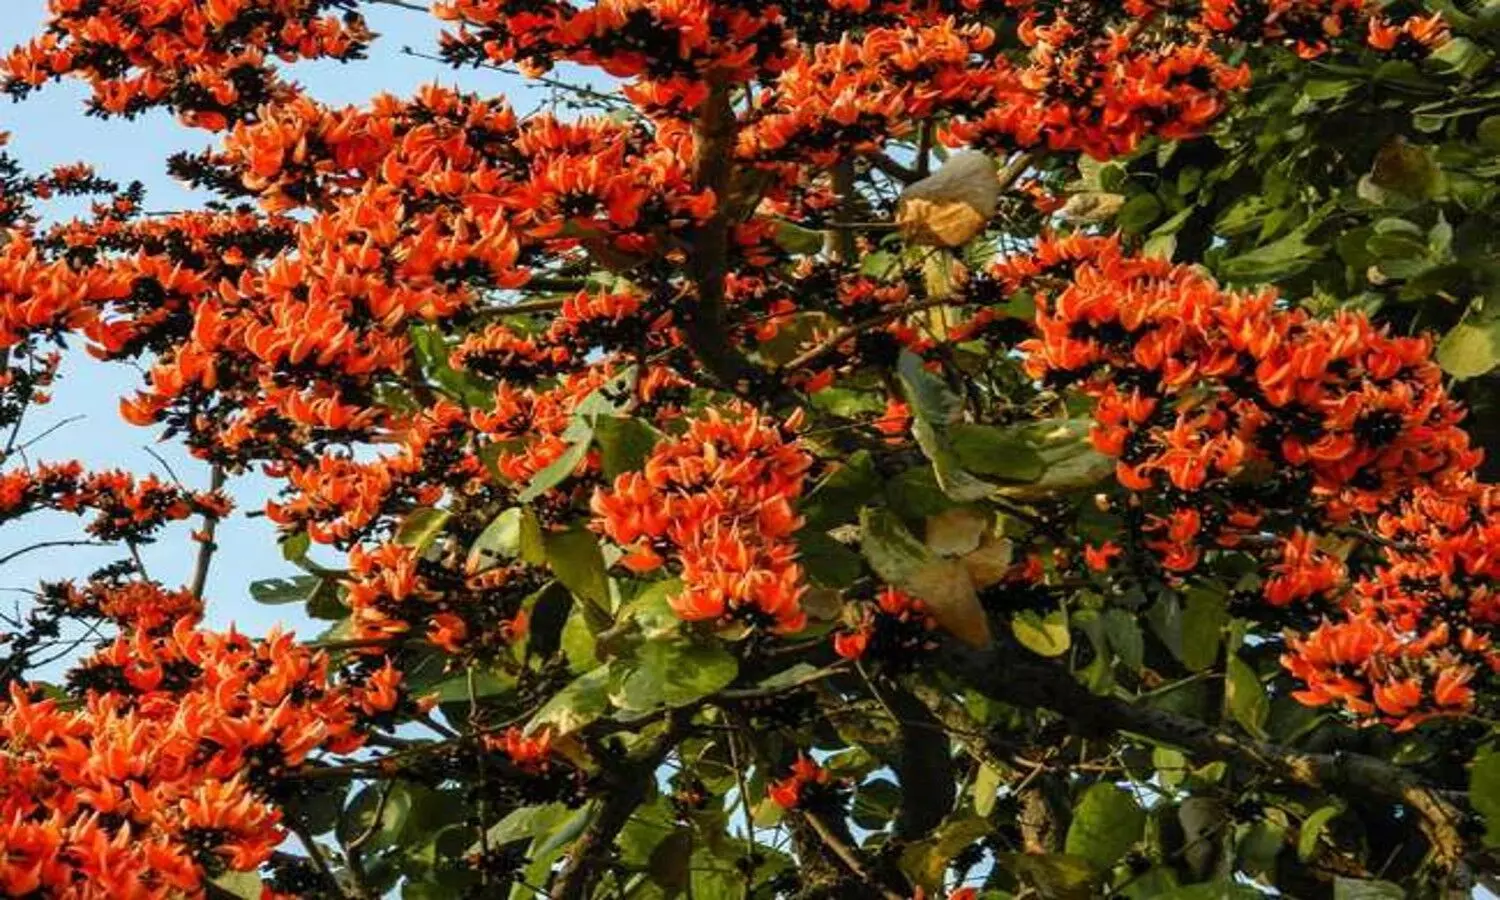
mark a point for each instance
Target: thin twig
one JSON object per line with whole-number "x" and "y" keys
{"x": 739, "y": 775}
{"x": 42, "y": 545}
{"x": 849, "y": 332}
{"x": 55, "y": 427}
{"x": 161, "y": 460}
{"x": 207, "y": 547}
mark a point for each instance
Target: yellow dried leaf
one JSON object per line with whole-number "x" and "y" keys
{"x": 947, "y": 589}
{"x": 988, "y": 563}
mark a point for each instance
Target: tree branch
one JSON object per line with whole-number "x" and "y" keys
{"x": 207, "y": 547}
{"x": 897, "y": 171}
{"x": 1026, "y": 683}
{"x": 703, "y": 327}
{"x": 627, "y": 791}
{"x": 846, "y": 854}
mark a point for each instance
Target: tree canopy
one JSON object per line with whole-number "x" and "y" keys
{"x": 839, "y": 449}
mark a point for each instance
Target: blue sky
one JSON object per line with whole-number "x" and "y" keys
{"x": 50, "y": 128}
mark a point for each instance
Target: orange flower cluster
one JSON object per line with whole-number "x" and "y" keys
{"x": 529, "y": 754}
{"x": 282, "y": 357}
{"x": 808, "y": 785}
{"x": 897, "y": 628}
{"x": 1417, "y": 630}
{"x": 718, "y": 502}
{"x": 584, "y": 322}
{"x": 393, "y": 592}
{"x": 128, "y": 603}
{"x": 125, "y": 508}
{"x": 203, "y": 59}
{"x": 672, "y": 47}
{"x": 337, "y": 498}
{"x": 169, "y": 771}
{"x": 1341, "y": 425}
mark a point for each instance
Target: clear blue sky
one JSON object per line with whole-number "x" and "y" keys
{"x": 49, "y": 129}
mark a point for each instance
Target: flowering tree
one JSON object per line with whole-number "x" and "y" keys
{"x": 868, "y": 448}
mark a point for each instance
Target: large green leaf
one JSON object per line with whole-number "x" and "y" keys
{"x": 1055, "y": 876}
{"x": 1005, "y": 453}
{"x": 1484, "y": 792}
{"x": 421, "y": 527}
{"x": 500, "y": 538}
{"x": 670, "y": 673}
{"x": 384, "y": 822}
{"x": 934, "y": 410}
{"x": 578, "y": 562}
{"x": 926, "y": 860}
{"x": 624, "y": 443}
{"x": 1246, "y": 697}
{"x": 838, "y": 497}
{"x": 582, "y": 701}
{"x": 1312, "y": 830}
{"x": 1203, "y": 624}
{"x": 558, "y": 470}
{"x": 276, "y": 591}
{"x": 943, "y": 584}
{"x": 1471, "y": 348}
{"x": 1106, "y": 823}
{"x": 1043, "y": 635}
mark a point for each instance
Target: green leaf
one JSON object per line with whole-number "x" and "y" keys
{"x": 578, "y": 562}
{"x": 1138, "y": 213}
{"x": 246, "y": 885}
{"x": 838, "y": 497}
{"x": 361, "y": 815}
{"x": 1285, "y": 256}
{"x": 826, "y": 561}
{"x": 986, "y": 789}
{"x": 567, "y": 833}
{"x": 1258, "y": 848}
{"x": 793, "y": 238}
{"x": 500, "y": 538}
{"x": 1312, "y": 829}
{"x": 669, "y": 865}
{"x": 875, "y": 803}
{"x": 276, "y": 591}
{"x": 1406, "y": 168}
{"x": 651, "y": 609}
{"x": 1203, "y": 624}
{"x": 1246, "y": 697}
{"x": 559, "y": 469}
{"x": 1471, "y": 349}
{"x": 1125, "y": 638}
{"x": 624, "y": 443}
{"x": 1047, "y": 636}
{"x": 927, "y": 860}
{"x": 1071, "y": 460}
{"x": 294, "y": 546}
{"x": 582, "y": 701}
{"x": 421, "y": 527}
{"x": 524, "y": 824}
{"x": 892, "y": 551}
{"x": 934, "y": 409}
{"x": 1055, "y": 876}
{"x": 431, "y": 350}
{"x": 670, "y": 673}
{"x": 1361, "y": 889}
{"x": 1484, "y": 792}
{"x": 943, "y": 584}
{"x": 1004, "y": 453}
{"x": 1106, "y": 823}
{"x": 487, "y": 683}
